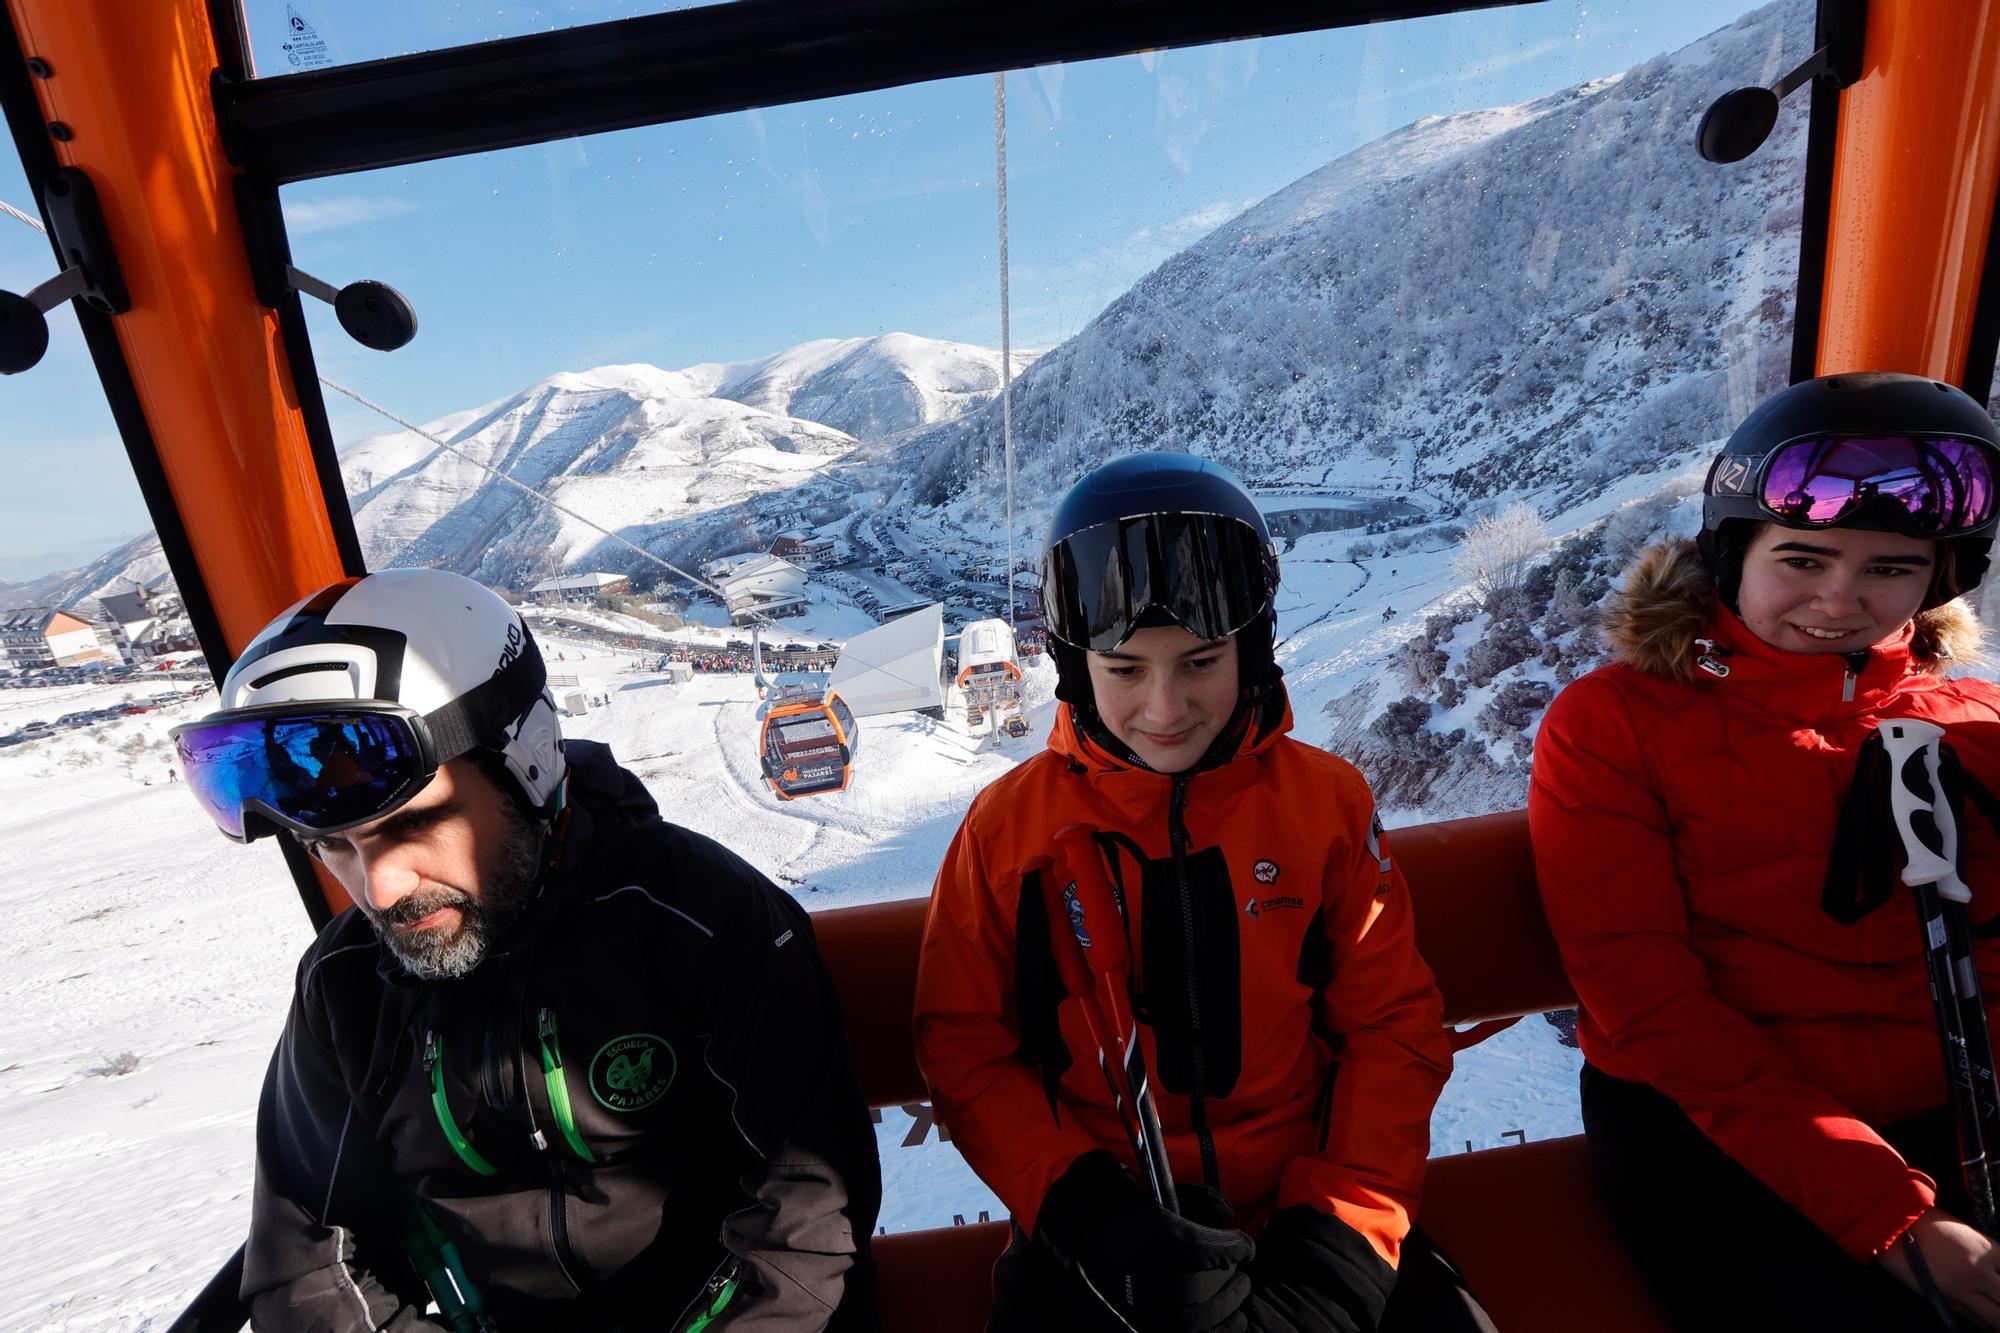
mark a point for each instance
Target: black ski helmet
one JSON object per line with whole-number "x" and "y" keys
{"x": 1953, "y": 487}
{"x": 1158, "y": 539}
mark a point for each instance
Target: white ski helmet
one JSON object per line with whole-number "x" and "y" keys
{"x": 433, "y": 642}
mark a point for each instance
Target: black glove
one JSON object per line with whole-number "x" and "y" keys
{"x": 1155, "y": 1270}
{"x": 1315, "y": 1274}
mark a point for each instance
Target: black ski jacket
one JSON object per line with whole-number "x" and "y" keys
{"x": 707, "y": 1071}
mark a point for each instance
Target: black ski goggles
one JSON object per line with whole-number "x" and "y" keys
{"x": 1209, "y": 573}
{"x": 311, "y": 769}
{"x": 1922, "y": 486}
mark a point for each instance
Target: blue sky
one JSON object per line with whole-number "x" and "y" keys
{"x": 733, "y": 237}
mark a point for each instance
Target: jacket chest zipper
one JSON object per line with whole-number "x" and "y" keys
{"x": 1847, "y": 689}
{"x": 559, "y": 1242}
{"x": 559, "y": 1222}
{"x": 1177, "y": 836}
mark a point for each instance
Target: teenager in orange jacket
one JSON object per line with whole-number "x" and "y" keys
{"x": 1293, "y": 1035}
{"x": 1763, "y": 1092}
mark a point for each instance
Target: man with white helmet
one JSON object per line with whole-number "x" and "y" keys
{"x": 569, "y": 1065}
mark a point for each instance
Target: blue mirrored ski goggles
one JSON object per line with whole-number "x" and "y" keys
{"x": 310, "y": 769}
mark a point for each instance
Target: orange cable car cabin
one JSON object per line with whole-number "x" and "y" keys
{"x": 212, "y": 379}
{"x": 808, "y": 744}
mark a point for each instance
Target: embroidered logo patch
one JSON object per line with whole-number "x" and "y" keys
{"x": 631, "y": 1072}
{"x": 1259, "y": 906}
{"x": 1266, "y": 872}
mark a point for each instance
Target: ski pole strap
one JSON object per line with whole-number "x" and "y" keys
{"x": 441, "y": 1106}
{"x": 558, "y": 1084}
{"x": 1860, "y": 873}
{"x": 1959, "y": 783}
{"x": 437, "y": 1262}
{"x": 1925, "y": 1282}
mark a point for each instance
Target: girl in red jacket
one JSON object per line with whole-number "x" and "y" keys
{"x": 1763, "y": 1092}
{"x": 1292, "y": 1033}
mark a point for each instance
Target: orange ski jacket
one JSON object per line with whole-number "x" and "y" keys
{"x": 1294, "y": 1036}
{"x": 1682, "y": 821}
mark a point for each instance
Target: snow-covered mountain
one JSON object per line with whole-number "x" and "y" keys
{"x": 632, "y": 447}
{"x": 137, "y": 561}
{"x": 1533, "y": 298}
{"x": 872, "y": 388}
{"x": 643, "y": 450}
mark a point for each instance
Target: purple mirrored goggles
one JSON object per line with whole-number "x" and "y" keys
{"x": 1923, "y": 486}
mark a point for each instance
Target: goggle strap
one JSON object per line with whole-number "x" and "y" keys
{"x": 483, "y": 713}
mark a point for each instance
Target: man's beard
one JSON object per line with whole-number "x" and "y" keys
{"x": 434, "y": 955}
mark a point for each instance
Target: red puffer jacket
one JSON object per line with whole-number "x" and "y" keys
{"x": 1682, "y": 821}
{"x": 1273, "y": 947}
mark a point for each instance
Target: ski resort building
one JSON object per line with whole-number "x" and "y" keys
{"x": 41, "y": 637}
{"x": 580, "y": 587}
{"x": 803, "y": 547}
{"x": 760, "y": 585}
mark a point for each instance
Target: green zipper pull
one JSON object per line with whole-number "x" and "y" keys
{"x": 714, "y": 1298}
{"x": 434, "y": 1066}
{"x": 552, "y": 1073}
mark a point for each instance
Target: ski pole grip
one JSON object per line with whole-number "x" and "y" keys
{"x": 1903, "y": 739}
{"x": 1093, "y": 906}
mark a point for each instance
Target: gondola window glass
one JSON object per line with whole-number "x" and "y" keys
{"x": 1403, "y": 278}
{"x": 72, "y": 522}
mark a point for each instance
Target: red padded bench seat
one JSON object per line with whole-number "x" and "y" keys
{"x": 1523, "y": 1222}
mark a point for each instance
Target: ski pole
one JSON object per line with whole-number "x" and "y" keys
{"x": 1942, "y": 899}
{"x": 1076, "y": 979}
{"x": 1100, "y": 954}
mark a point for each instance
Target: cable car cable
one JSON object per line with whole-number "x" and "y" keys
{"x": 1006, "y": 349}
{"x": 14, "y": 212}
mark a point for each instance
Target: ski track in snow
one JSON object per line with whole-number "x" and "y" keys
{"x": 138, "y": 936}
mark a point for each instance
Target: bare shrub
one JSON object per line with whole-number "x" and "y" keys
{"x": 116, "y": 1067}
{"x": 1514, "y": 708}
{"x": 1576, "y": 597}
{"x": 1506, "y": 643}
{"x": 1421, "y": 663}
{"x": 1497, "y": 552}
{"x": 1439, "y": 627}
{"x": 1402, "y": 728}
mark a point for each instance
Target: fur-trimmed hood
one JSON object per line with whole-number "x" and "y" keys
{"x": 1669, "y": 601}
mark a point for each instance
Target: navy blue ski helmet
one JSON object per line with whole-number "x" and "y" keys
{"x": 1158, "y": 539}
{"x": 1872, "y": 450}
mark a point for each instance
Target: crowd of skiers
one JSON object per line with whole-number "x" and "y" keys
{"x": 570, "y": 1065}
